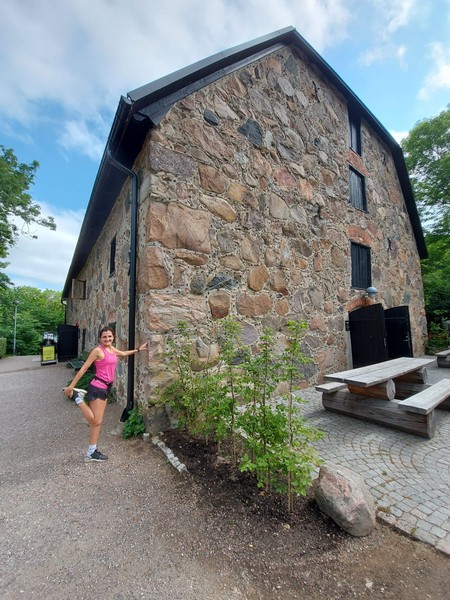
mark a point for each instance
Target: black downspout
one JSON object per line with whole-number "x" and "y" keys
{"x": 132, "y": 288}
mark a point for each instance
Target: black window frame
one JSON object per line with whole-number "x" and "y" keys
{"x": 357, "y": 189}
{"x": 354, "y": 132}
{"x": 361, "y": 259}
{"x": 112, "y": 255}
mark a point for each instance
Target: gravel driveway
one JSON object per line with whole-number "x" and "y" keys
{"x": 125, "y": 529}
{"x": 134, "y": 527}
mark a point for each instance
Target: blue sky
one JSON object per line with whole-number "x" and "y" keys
{"x": 65, "y": 63}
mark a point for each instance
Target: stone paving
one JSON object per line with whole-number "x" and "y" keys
{"x": 408, "y": 476}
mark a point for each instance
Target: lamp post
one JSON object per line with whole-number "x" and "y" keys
{"x": 16, "y": 302}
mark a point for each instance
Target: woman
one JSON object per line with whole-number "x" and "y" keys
{"x": 104, "y": 356}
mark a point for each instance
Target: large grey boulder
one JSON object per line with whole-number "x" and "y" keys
{"x": 342, "y": 495}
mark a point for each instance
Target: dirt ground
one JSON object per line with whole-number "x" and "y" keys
{"x": 135, "y": 528}
{"x": 302, "y": 554}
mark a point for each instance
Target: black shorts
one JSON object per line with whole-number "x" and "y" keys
{"x": 95, "y": 393}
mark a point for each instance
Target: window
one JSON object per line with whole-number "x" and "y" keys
{"x": 354, "y": 123}
{"x": 357, "y": 189}
{"x": 78, "y": 289}
{"x": 361, "y": 266}
{"x": 112, "y": 256}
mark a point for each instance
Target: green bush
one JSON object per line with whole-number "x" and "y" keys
{"x": 2, "y": 347}
{"x": 134, "y": 425}
{"x": 438, "y": 339}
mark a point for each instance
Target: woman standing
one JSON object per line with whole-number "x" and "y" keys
{"x": 104, "y": 356}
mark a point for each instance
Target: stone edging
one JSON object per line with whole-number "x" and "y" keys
{"x": 179, "y": 466}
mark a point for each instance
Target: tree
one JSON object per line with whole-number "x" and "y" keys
{"x": 16, "y": 204}
{"x": 436, "y": 278}
{"x": 37, "y": 312}
{"x": 427, "y": 155}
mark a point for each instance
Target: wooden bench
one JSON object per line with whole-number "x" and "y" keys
{"x": 75, "y": 364}
{"x": 443, "y": 359}
{"x": 427, "y": 400}
{"x": 380, "y": 412}
{"x": 414, "y": 415}
{"x": 330, "y": 386}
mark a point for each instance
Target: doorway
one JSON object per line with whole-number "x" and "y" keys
{"x": 377, "y": 335}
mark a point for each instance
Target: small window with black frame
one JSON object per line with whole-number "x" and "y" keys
{"x": 361, "y": 266}
{"x": 354, "y": 124}
{"x": 357, "y": 186}
{"x": 112, "y": 256}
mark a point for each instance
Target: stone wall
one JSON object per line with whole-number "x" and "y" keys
{"x": 244, "y": 210}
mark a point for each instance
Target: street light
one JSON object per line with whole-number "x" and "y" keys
{"x": 16, "y": 302}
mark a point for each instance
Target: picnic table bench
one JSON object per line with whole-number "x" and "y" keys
{"x": 75, "y": 364}
{"x": 443, "y": 359}
{"x": 392, "y": 393}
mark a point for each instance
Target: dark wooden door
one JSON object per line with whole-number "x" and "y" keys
{"x": 67, "y": 342}
{"x": 368, "y": 335}
{"x": 398, "y": 331}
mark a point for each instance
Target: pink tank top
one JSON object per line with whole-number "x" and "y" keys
{"x": 105, "y": 368}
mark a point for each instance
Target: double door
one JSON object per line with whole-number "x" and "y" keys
{"x": 377, "y": 334}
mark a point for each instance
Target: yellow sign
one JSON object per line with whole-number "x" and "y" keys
{"x": 48, "y": 353}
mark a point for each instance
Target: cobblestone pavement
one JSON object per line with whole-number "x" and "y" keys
{"x": 408, "y": 476}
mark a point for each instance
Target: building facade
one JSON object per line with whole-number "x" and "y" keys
{"x": 265, "y": 191}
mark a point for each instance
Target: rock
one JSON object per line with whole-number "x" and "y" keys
{"x": 154, "y": 272}
{"x": 253, "y": 305}
{"x": 177, "y": 226}
{"x": 219, "y": 207}
{"x": 257, "y": 278}
{"x": 211, "y": 179}
{"x": 342, "y": 495}
{"x": 156, "y": 419}
{"x": 252, "y": 130}
{"x": 164, "y": 159}
{"x": 219, "y": 304}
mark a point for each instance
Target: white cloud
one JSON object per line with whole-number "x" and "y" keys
{"x": 79, "y": 57}
{"x": 439, "y": 77}
{"x": 383, "y": 53}
{"x": 85, "y": 137}
{"x": 44, "y": 262}
{"x": 386, "y": 18}
{"x": 398, "y": 13}
{"x": 399, "y": 135}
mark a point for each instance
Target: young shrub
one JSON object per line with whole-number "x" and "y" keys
{"x": 279, "y": 437}
{"x": 134, "y": 425}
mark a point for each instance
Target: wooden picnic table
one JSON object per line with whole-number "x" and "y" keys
{"x": 392, "y": 393}
{"x": 378, "y": 380}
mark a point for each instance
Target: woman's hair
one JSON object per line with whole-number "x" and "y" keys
{"x": 104, "y": 330}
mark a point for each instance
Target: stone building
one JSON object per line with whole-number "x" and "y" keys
{"x": 255, "y": 184}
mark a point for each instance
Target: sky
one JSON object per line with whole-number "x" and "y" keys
{"x": 64, "y": 64}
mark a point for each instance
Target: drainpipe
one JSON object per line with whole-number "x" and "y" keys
{"x": 132, "y": 288}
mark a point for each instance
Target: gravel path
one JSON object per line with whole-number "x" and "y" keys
{"x": 75, "y": 530}
{"x": 134, "y": 527}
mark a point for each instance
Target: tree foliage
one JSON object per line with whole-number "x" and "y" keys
{"x": 436, "y": 278}
{"x": 18, "y": 211}
{"x": 37, "y": 312}
{"x": 427, "y": 155}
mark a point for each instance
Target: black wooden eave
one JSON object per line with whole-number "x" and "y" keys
{"x": 144, "y": 107}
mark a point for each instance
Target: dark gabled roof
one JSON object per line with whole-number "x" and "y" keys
{"x": 144, "y": 107}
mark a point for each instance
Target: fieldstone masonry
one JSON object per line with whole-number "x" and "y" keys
{"x": 244, "y": 210}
